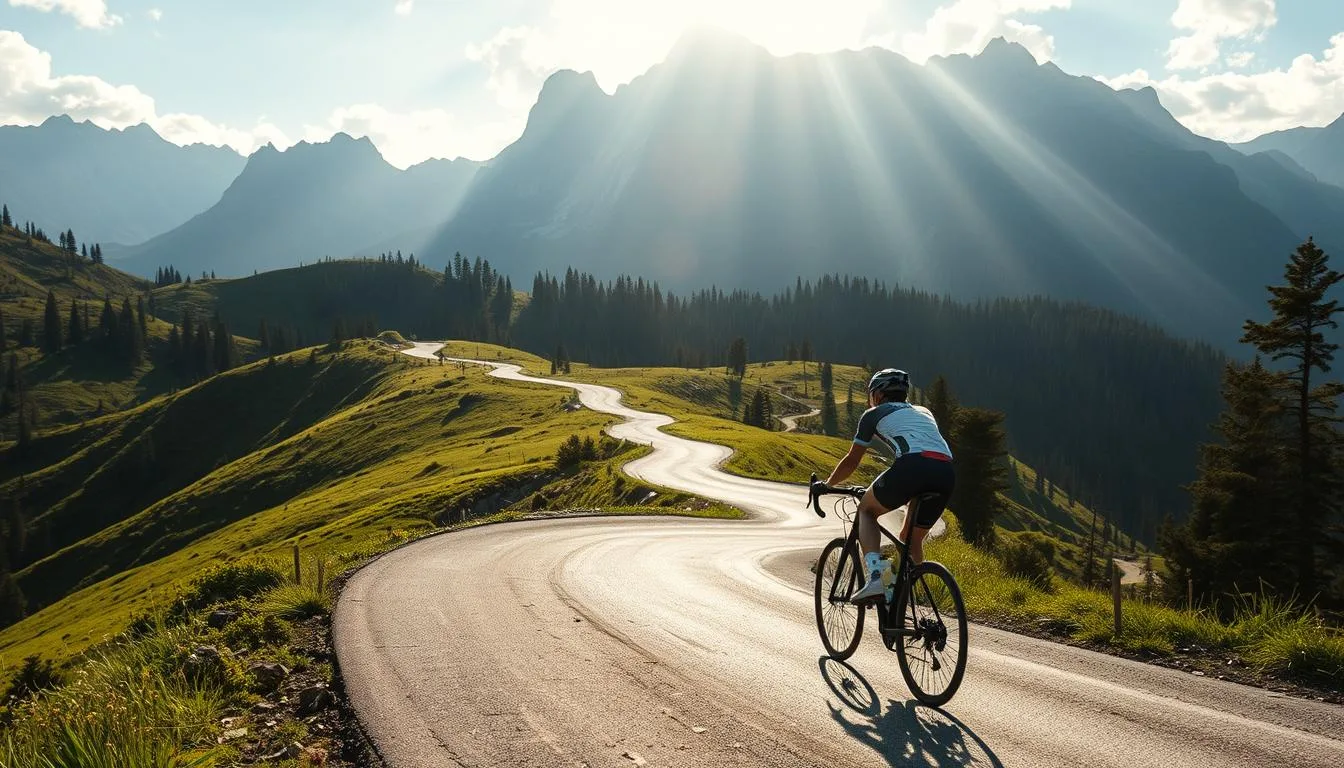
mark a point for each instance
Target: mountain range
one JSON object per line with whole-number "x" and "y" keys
{"x": 118, "y": 186}
{"x": 334, "y": 198}
{"x": 975, "y": 176}
{"x": 1318, "y": 150}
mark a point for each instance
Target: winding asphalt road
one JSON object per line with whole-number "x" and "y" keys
{"x": 675, "y": 642}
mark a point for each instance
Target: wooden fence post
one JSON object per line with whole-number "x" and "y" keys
{"x": 321, "y": 573}
{"x": 296, "y": 565}
{"x": 1190, "y": 594}
{"x": 1115, "y": 597}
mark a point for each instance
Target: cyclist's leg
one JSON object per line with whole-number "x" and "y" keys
{"x": 937, "y": 489}
{"x": 870, "y": 540}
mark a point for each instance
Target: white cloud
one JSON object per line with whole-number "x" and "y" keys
{"x": 155, "y": 14}
{"x": 29, "y": 94}
{"x": 1237, "y": 106}
{"x": 86, "y": 13}
{"x": 1239, "y": 59}
{"x": 966, "y": 26}
{"x": 404, "y": 7}
{"x": 406, "y": 138}
{"x": 1209, "y": 22}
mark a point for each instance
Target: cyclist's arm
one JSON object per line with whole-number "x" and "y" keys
{"x": 848, "y": 464}
{"x": 862, "y": 437}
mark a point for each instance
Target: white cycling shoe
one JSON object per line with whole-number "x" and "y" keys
{"x": 874, "y": 589}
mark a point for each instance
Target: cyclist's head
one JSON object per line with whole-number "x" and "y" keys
{"x": 888, "y": 385}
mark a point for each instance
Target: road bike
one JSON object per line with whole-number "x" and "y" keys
{"x": 923, "y": 618}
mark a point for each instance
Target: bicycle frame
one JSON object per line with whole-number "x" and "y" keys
{"x": 886, "y": 623}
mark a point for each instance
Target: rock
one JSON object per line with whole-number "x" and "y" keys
{"x": 699, "y": 729}
{"x": 268, "y": 675}
{"x": 635, "y": 758}
{"x": 220, "y": 618}
{"x": 263, "y": 707}
{"x": 235, "y": 733}
{"x": 315, "y": 699}
{"x": 204, "y": 653}
{"x": 294, "y": 750}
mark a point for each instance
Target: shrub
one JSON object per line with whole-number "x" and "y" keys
{"x": 254, "y": 631}
{"x": 570, "y": 453}
{"x": 230, "y": 581}
{"x": 1028, "y": 556}
{"x": 294, "y": 602}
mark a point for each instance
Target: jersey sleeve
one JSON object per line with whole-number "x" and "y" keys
{"x": 867, "y": 427}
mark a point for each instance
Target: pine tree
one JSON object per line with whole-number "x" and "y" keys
{"x": 1301, "y": 314}
{"x": 75, "y": 332}
{"x": 1225, "y": 546}
{"x": 827, "y": 377}
{"x": 981, "y": 472}
{"x": 51, "y": 326}
{"x": 130, "y": 340}
{"x": 70, "y": 242}
{"x": 27, "y": 333}
{"x": 264, "y": 336}
{"x": 97, "y": 253}
{"x": 84, "y": 250}
{"x": 943, "y": 407}
{"x": 225, "y": 356}
{"x": 337, "y": 335}
{"x": 737, "y": 357}
{"x": 175, "y": 348}
{"x": 201, "y": 358}
{"x": 851, "y": 413}
{"x": 5, "y": 220}
{"x": 830, "y": 418}
{"x": 140, "y": 317}
{"x": 107, "y": 322}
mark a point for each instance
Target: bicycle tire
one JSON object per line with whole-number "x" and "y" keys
{"x": 848, "y": 564}
{"x": 908, "y": 611}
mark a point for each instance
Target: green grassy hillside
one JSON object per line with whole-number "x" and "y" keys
{"x": 82, "y": 381}
{"x": 333, "y": 450}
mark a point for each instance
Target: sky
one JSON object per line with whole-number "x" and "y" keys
{"x": 455, "y": 78}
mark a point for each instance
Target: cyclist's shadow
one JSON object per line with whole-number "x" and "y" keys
{"x": 906, "y": 733}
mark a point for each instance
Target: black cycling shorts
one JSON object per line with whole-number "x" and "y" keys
{"x": 911, "y": 476}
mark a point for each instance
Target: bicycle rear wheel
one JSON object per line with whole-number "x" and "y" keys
{"x": 839, "y": 622}
{"x": 933, "y": 659}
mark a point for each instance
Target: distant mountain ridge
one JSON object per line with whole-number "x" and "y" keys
{"x": 1318, "y": 150}
{"x": 303, "y": 204}
{"x": 110, "y": 186}
{"x": 976, "y": 176}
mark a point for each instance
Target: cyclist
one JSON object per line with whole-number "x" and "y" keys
{"x": 923, "y": 465}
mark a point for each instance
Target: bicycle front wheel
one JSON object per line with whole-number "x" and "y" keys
{"x": 839, "y": 622}
{"x": 933, "y": 657}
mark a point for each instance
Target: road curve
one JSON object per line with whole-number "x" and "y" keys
{"x": 791, "y": 422}
{"x": 675, "y": 642}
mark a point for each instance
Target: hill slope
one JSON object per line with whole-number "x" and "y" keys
{"x": 975, "y": 177}
{"x": 304, "y": 204}
{"x": 91, "y": 377}
{"x": 117, "y": 186}
{"x": 333, "y": 450}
